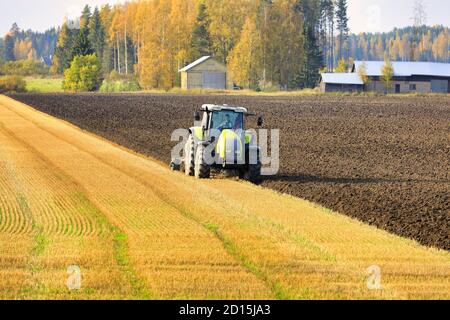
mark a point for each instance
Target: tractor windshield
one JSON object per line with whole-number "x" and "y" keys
{"x": 223, "y": 120}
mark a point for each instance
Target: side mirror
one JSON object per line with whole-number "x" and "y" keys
{"x": 203, "y": 132}
{"x": 197, "y": 116}
{"x": 260, "y": 121}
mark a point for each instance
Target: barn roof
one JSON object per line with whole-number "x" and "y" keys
{"x": 406, "y": 69}
{"x": 341, "y": 78}
{"x": 195, "y": 63}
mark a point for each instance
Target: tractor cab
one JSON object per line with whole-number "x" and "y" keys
{"x": 219, "y": 118}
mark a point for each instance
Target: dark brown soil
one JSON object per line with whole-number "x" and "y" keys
{"x": 383, "y": 160}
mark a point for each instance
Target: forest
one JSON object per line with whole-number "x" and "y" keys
{"x": 19, "y": 44}
{"x": 282, "y": 44}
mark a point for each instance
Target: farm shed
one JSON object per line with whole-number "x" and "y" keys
{"x": 205, "y": 73}
{"x": 341, "y": 82}
{"x": 409, "y": 77}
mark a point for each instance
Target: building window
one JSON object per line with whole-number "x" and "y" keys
{"x": 412, "y": 87}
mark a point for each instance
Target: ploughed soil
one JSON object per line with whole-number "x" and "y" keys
{"x": 382, "y": 160}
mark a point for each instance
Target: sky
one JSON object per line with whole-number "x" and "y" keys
{"x": 385, "y": 15}
{"x": 365, "y": 15}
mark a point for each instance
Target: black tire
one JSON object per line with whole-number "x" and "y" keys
{"x": 202, "y": 169}
{"x": 254, "y": 173}
{"x": 175, "y": 167}
{"x": 189, "y": 157}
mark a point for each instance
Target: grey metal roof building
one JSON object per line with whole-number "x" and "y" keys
{"x": 405, "y": 69}
{"x": 341, "y": 82}
{"x": 409, "y": 77}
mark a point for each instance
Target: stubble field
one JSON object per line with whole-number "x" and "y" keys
{"x": 382, "y": 160}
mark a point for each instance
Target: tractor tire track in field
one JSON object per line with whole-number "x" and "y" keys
{"x": 118, "y": 236}
{"x": 285, "y": 247}
{"x": 41, "y": 236}
{"x": 35, "y": 230}
{"x": 53, "y": 222}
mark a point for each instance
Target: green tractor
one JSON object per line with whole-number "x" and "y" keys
{"x": 219, "y": 141}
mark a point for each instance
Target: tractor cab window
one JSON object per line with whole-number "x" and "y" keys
{"x": 227, "y": 120}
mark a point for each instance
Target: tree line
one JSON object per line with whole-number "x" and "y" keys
{"x": 19, "y": 44}
{"x": 406, "y": 44}
{"x": 282, "y": 43}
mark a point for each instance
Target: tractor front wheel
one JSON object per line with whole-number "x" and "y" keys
{"x": 202, "y": 169}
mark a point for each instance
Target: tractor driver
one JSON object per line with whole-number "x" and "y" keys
{"x": 226, "y": 123}
{"x": 238, "y": 125}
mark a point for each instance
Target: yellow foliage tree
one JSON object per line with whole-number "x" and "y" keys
{"x": 244, "y": 62}
{"x": 182, "y": 19}
{"x": 155, "y": 60}
{"x": 362, "y": 73}
{"x": 23, "y": 50}
{"x": 164, "y": 30}
{"x": 342, "y": 66}
{"x": 227, "y": 18}
{"x": 387, "y": 73}
{"x": 440, "y": 47}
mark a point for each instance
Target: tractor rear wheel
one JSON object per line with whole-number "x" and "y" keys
{"x": 202, "y": 169}
{"x": 254, "y": 172}
{"x": 189, "y": 156}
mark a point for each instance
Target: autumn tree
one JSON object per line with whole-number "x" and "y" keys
{"x": 264, "y": 13}
{"x": 244, "y": 61}
{"x": 284, "y": 55}
{"x": 362, "y": 73}
{"x": 227, "y": 18}
{"x": 108, "y": 59}
{"x": 342, "y": 66}
{"x": 387, "y": 73}
{"x": 155, "y": 60}
{"x": 120, "y": 36}
{"x": 379, "y": 47}
{"x": 23, "y": 50}
{"x": 182, "y": 19}
{"x": 440, "y": 47}
{"x": 84, "y": 74}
